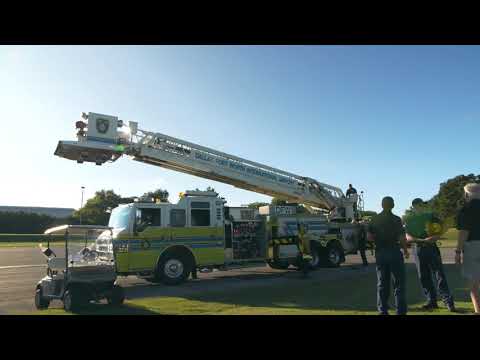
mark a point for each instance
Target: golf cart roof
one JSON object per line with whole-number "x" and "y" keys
{"x": 75, "y": 229}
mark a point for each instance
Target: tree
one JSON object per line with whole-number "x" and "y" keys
{"x": 278, "y": 202}
{"x": 158, "y": 194}
{"x": 449, "y": 198}
{"x": 256, "y": 205}
{"x": 368, "y": 213}
{"x": 24, "y": 223}
{"x": 96, "y": 210}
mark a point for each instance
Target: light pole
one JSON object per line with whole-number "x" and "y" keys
{"x": 81, "y": 205}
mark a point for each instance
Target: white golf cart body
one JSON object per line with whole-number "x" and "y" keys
{"x": 84, "y": 264}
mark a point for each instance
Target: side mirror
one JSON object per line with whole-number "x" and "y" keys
{"x": 47, "y": 252}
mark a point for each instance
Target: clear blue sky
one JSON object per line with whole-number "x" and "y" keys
{"x": 392, "y": 120}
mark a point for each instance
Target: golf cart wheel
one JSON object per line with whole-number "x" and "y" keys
{"x": 333, "y": 254}
{"x": 40, "y": 301}
{"x": 278, "y": 265}
{"x": 117, "y": 296}
{"x": 72, "y": 300}
{"x": 173, "y": 268}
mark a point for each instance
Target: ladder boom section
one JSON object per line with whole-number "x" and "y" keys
{"x": 105, "y": 138}
{"x": 179, "y": 155}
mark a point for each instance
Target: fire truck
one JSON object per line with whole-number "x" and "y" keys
{"x": 165, "y": 242}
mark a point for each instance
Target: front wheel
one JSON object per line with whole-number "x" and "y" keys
{"x": 40, "y": 301}
{"x": 173, "y": 269}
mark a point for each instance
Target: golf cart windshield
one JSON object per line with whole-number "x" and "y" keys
{"x": 84, "y": 245}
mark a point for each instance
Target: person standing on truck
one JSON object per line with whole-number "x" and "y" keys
{"x": 386, "y": 231}
{"x": 429, "y": 259}
{"x": 351, "y": 190}
{"x": 352, "y": 193}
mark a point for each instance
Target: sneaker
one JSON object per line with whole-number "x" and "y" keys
{"x": 383, "y": 313}
{"x": 430, "y": 306}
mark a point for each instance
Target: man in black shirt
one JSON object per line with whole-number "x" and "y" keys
{"x": 351, "y": 190}
{"x": 386, "y": 230}
{"x": 468, "y": 245}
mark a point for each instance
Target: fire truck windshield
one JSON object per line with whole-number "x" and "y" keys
{"x": 120, "y": 217}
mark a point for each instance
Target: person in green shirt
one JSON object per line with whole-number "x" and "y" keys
{"x": 386, "y": 231}
{"x": 429, "y": 259}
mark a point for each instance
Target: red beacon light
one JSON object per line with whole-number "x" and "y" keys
{"x": 80, "y": 125}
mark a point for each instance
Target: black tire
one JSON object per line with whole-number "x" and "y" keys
{"x": 278, "y": 265}
{"x": 316, "y": 257}
{"x": 117, "y": 296}
{"x": 72, "y": 300}
{"x": 40, "y": 301}
{"x": 173, "y": 268}
{"x": 333, "y": 254}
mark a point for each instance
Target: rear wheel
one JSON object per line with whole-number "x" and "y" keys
{"x": 73, "y": 300}
{"x": 315, "y": 253}
{"x": 40, "y": 301}
{"x": 117, "y": 296}
{"x": 334, "y": 254}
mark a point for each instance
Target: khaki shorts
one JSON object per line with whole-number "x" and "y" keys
{"x": 471, "y": 260}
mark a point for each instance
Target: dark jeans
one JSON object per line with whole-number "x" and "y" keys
{"x": 430, "y": 268}
{"x": 390, "y": 266}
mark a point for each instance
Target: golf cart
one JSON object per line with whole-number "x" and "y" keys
{"x": 81, "y": 270}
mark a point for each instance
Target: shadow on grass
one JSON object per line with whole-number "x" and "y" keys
{"x": 353, "y": 294}
{"x": 105, "y": 309}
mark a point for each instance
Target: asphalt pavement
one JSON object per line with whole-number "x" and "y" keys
{"x": 21, "y": 268}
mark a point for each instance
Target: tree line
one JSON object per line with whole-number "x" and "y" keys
{"x": 96, "y": 211}
{"x": 24, "y": 223}
{"x": 449, "y": 199}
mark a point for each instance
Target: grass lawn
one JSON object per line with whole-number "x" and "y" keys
{"x": 449, "y": 239}
{"x": 295, "y": 296}
{"x": 15, "y": 244}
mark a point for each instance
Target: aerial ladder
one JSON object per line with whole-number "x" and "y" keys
{"x": 104, "y": 138}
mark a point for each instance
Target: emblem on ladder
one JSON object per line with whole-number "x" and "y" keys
{"x": 102, "y": 125}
